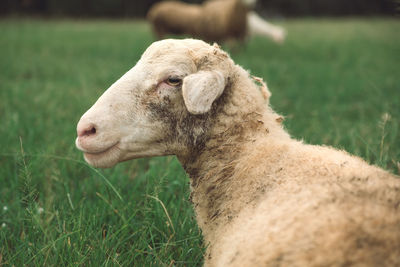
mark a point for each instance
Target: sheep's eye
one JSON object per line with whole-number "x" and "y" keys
{"x": 174, "y": 81}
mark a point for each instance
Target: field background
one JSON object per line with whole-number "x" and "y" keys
{"x": 336, "y": 81}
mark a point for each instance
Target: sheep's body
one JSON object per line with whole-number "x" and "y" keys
{"x": 261, "y": 198}
{"x": 290, "y": 204}
{"x": 216, "y": 20}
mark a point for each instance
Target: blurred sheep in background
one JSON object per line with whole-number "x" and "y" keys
{"x": 212, "y": 21}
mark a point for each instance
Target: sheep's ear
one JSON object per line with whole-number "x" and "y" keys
{"x": 201, "y": 89}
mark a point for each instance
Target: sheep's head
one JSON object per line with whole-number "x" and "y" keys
{"x": 159, "y": 107}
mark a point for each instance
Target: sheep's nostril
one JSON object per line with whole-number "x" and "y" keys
{"x": 90, "y": 132}
{"x": 87, "y": 131}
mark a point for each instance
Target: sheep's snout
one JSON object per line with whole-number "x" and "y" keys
{"x": 88, "y": 137}
{"x": 87, "y": 134}
{"x": 100, "y": 147}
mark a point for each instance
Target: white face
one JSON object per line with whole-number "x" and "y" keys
{"x": 139, "y": 114}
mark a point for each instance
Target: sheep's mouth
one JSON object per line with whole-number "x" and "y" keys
{"x": 101, "y": 152}
{"x": 105, "y": 158}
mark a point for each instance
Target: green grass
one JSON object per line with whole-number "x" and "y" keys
{"x": 336, "y": 81}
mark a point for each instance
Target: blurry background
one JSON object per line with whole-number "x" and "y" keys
{"x": 335, "y": 79}
{"x": 138, "y": 8}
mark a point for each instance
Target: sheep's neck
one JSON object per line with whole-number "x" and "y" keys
{"x": 211, "y": 171}
{"x": 241, "y": 120}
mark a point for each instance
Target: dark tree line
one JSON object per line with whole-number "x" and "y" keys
{"x": 138, "y": 8}
{"x": 328, "y": 7}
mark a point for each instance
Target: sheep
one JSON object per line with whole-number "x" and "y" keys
{"x": 261, "y": 197}
{"x": 216, "y": 20}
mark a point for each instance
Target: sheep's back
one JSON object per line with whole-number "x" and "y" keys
{"x": 175, "y": 17}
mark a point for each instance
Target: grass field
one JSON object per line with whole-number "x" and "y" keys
{"x": 336, "y": 81}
